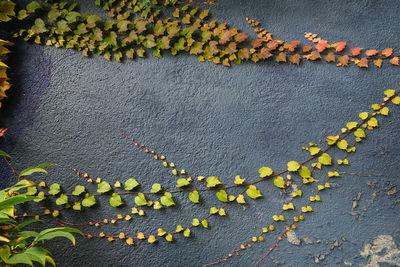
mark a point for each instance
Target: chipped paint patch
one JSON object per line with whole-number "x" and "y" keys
{"x": 382, "y": 243}
{"x": 292, "y": 238}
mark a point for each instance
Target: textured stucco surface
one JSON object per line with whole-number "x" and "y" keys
{"x": 213, "y": 120}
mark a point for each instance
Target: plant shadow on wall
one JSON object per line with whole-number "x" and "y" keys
{"x": 135, "y": 29}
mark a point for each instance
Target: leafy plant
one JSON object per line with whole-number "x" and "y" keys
{"x": 20, "y": 246}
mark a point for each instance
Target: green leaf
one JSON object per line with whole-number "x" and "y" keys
{"x": 116, "y": 200}
{"x": 194, "y": 196}
{"x": 265, "y": 172}
{"x": 4, "y": 154}
{"x": 79, "y": 189}
{"x": 63, "y": 199}
{"x": 156, "y": 188}
{"x": 280, "y": 182}
{"x": 131, "y": 184}
{"x": 6, "y": 10}
{"x": 19, "y": 199}
{"x": 222, "y": 196}
{"x": 5, "y": 253}
{"x": 342, "y": 144}
{"x": 239, "y": 180}
{"x": 31, "y": 170}
{"x": 19, "y": 258}
{"x": 55, "y": 189}
{"x": 305, "y": 172}
{"x": 32, "y": 6}
{"x": 314, "y": 150}
{"x": 103, "y": 187}
{"x": 213, "y": 181}
{"x": 325, "y": 159}
{"x": 140, "y": 200}
{"x": 293, "y": 166}
{"x": 57, "y": 232}
{"x": 253, "y": 192}
{"x": 182, "y": 182}
{"x": 89, "y": 200}
{"x": 167, "y": 200}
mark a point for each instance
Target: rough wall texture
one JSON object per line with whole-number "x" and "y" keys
{"x": 219, "y": 121}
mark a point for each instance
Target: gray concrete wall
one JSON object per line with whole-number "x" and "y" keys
{"x": 213, "y": 120}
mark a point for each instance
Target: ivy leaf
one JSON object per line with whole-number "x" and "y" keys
{"x": 339, "y": 46}
{"x": 355, "y": 51}
{"x": 213, "y": 181}
{"x": 241, "y": 37}
{"x": 203, "y": 14}
{"x": 280, "y": 182}
{"x": 330, "y": 57}
{"x": 360, "y": 133}
{"x": 116, "y": 200}
{"x": 281, "y": 57}
{"x": 314, "y": 150}
{"x": 265, "y": 172}
{"x": 194, "y": 196}
{"x": 314, "y": 55}
{"x": 253, "y": 192}
{"x": 32, "y": 6}
{"x": 91, "y": 21}
{"x": 140, "y": 200}
{"x": 343, "y": 61}
{"x": 239, "y": 180}
{"x": 204, "y": 223}
{"x": 222, "y": 196}
{"x": 79, "y": 189}
{"x": 342, "y": 144}
{"x": 307, "y": 48}
{"x": 321, "y": 46}
{"x": 295, "y": 59}
{"x": 387, "y": 52}
{"x": 77, "y": 206}
{"x": 89, "y": 200}
{"x": 378, "y": 62}
{"x": 131, "y": 184}
{"x": 389, "y": 92}
{"x": 167, "y": 200}
{"x": 371, "y": 52}
{"x": 55, "y": 189}
{"x": 186, "y": 233}
{"x": 240, "y": 199}
{"x": 305, "y": 172}
{"x": 103, "y": 187}
{"x": 325, "y": 159}
{"x": 394, "y": 61}
{"x": 63, "y": 199}
{"x": 182, "y": 182}
{"x": 156, "y": 188}
{"x": 293, "y": 166}
{"x": 265, "y": 53}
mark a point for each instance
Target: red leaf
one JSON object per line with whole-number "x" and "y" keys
{"x": 387, "y": 52}
{"x": 343, "y": 61}
{"x": 256, "y": 43}
{"x": 292, "y": 45}
{"x": 321, "y": 46}
{"x": 371, "y": 52}
{"x": 241, "y": 37}
{"x": 225, "y": 37}
{"x": 307, "y": 48}
{"x": 231, "y": 48}
{"x": 295, "y": 59}
{"x": 378, "y": 62}
{"x": 339, "y": 46}
{"x": 274, "y": 44}
{"x": 395, "y": 61}
{"x": 281, "y": 57}
{"x": 314, "y": 55}
{"x": 355, "y": 51}
{"x": 264, "y": 53}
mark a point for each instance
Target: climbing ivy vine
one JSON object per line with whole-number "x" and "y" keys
{"x": 131, "y": 29}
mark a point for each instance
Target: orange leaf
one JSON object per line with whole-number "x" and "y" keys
{"x": 274, "y": 44}
{"x": 330, "y": 57}
{"x": 321, "y": 46}
{"x": 295, "y": 59}
{"x": 256, "y": 43}
{"x": 307, "y": 48}
{"x": 378, "y": 62}
{"x": 343, "y": 61}
{"x": 225, "y": 37}
{"x": 387, "y": 52}
{"x": 355, "y": 51}
{"x": 395, "y": 61}
{"x": 281, "y": 57}
{"x": 264, "y": 53}
{"x": 339, "y": 46}
{"x": 314, "y": 55}
{"x": 292, "y": 45}
{"x": 371, "y": 52}
{"x": 240, "y": 37}
{"x": 362, "y": 63}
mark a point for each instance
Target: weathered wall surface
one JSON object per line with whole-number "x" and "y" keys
{"x": 219, "y": 121}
